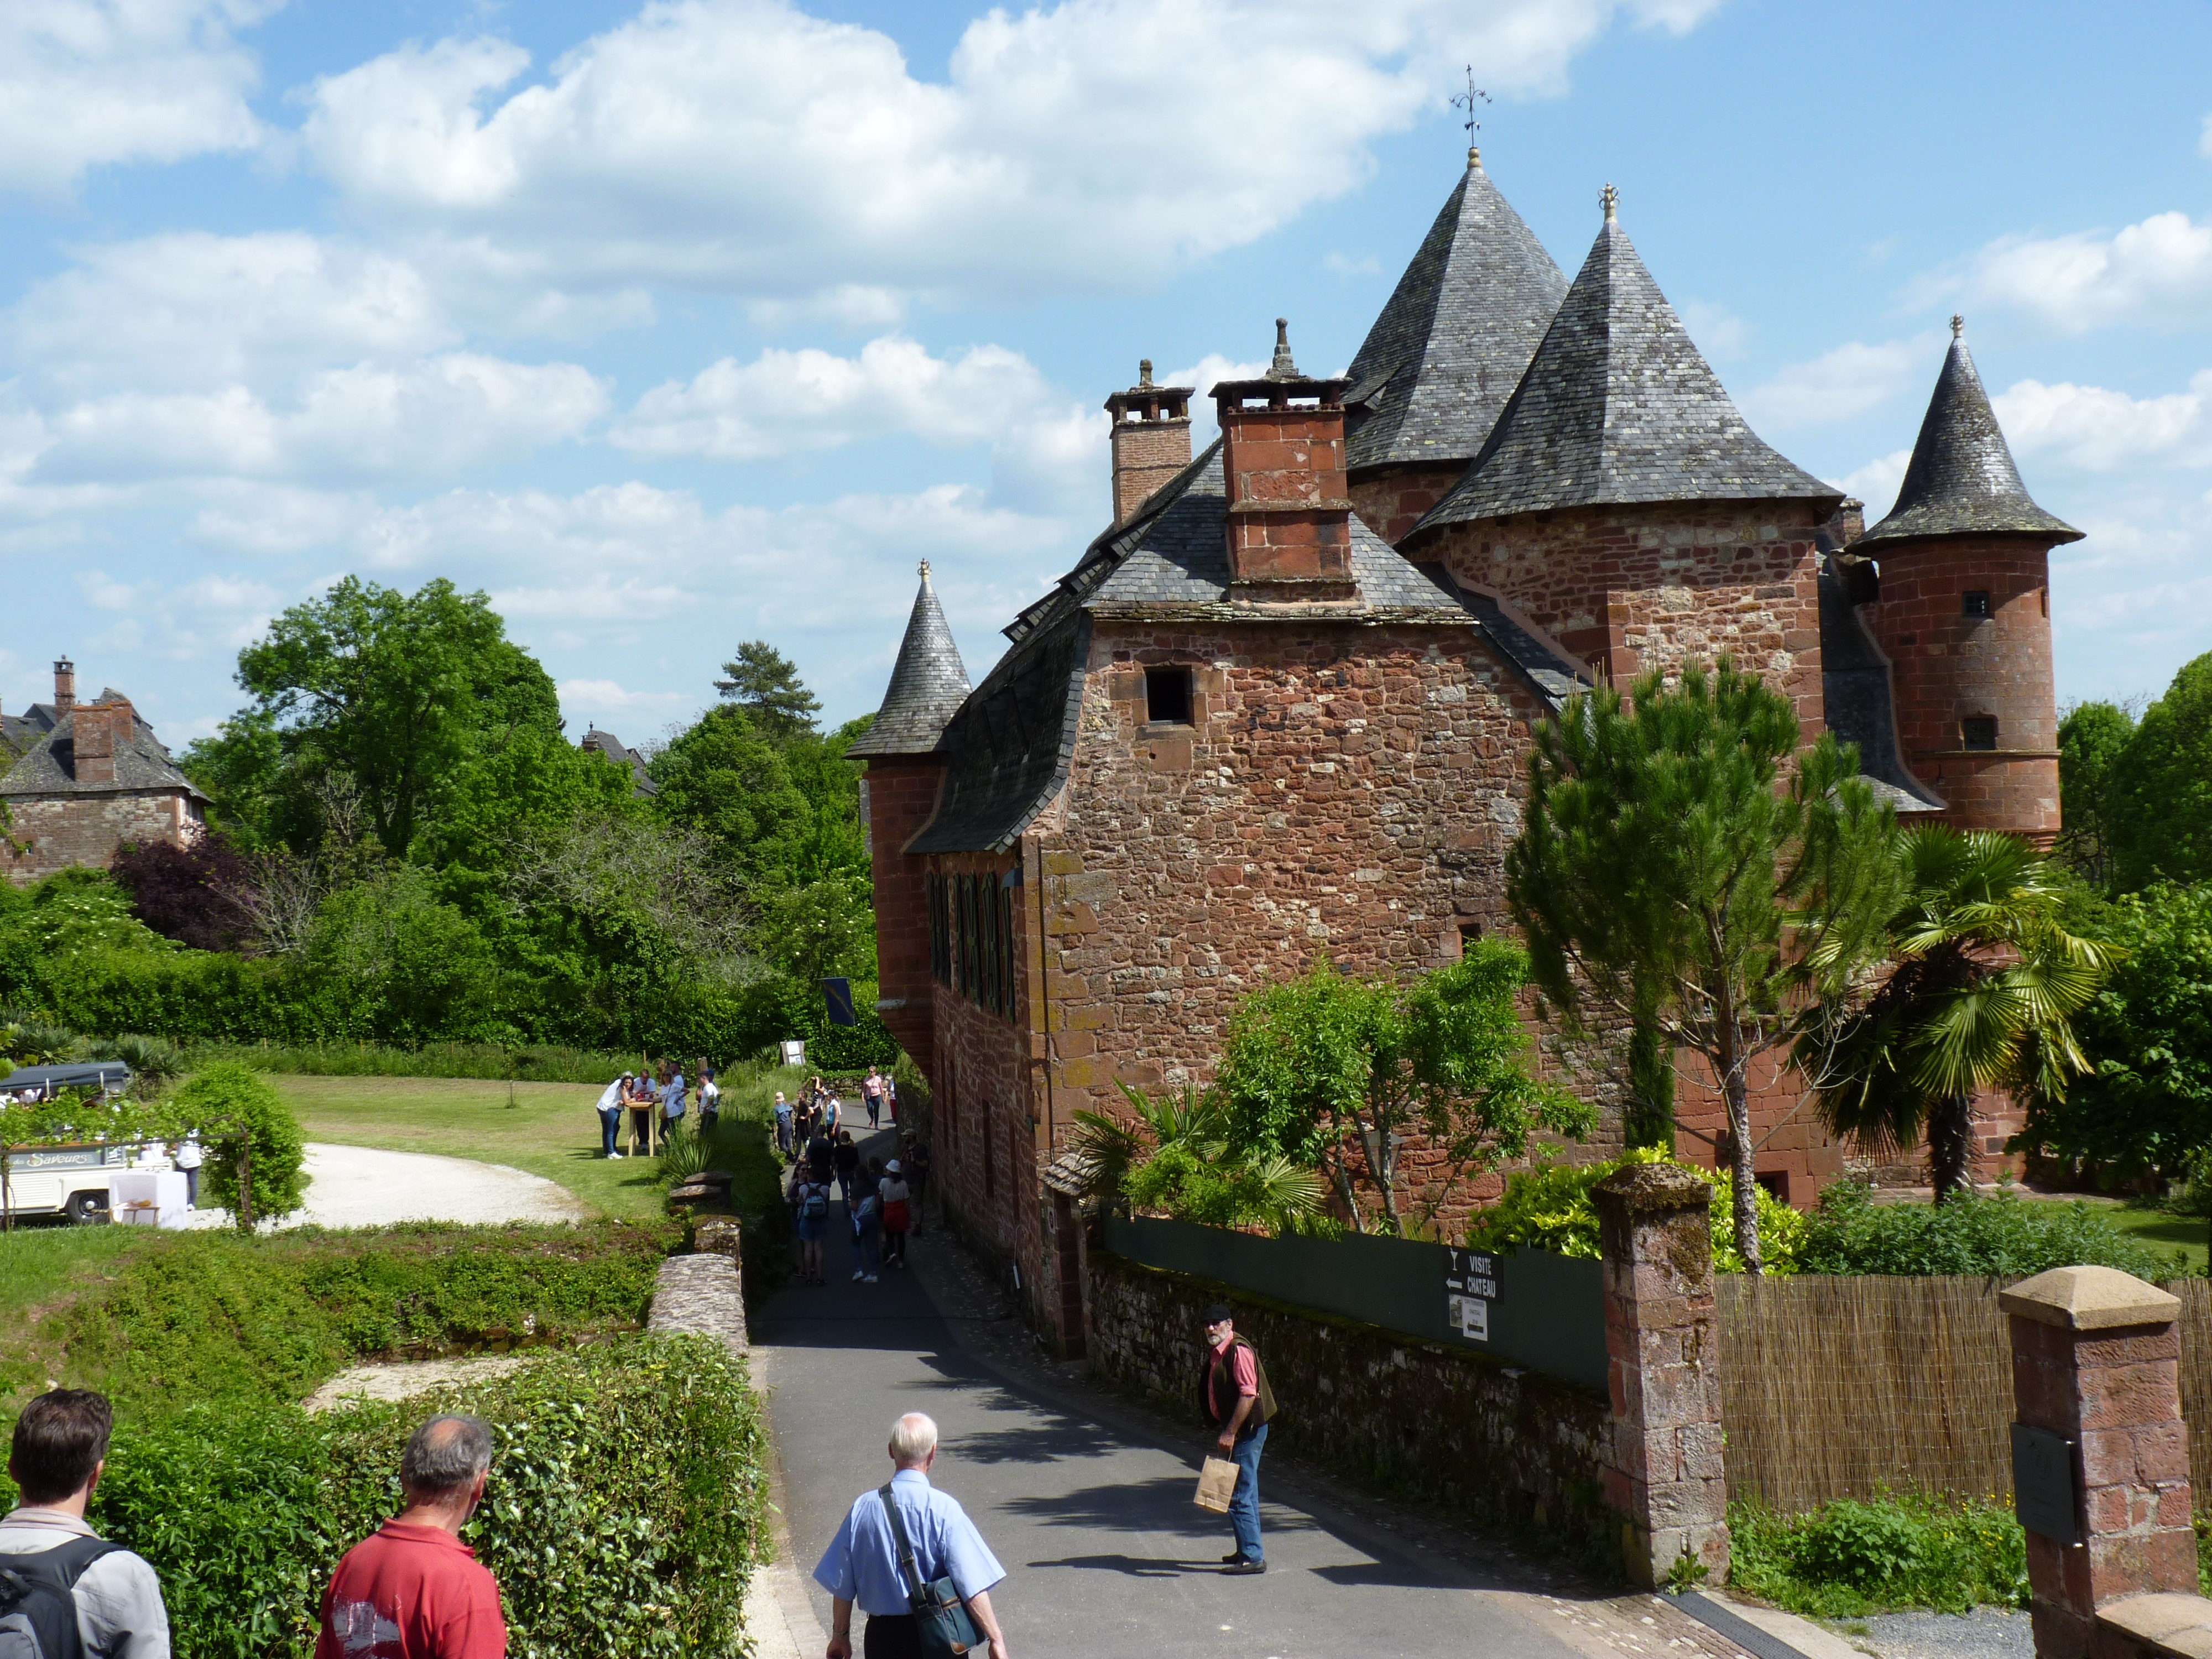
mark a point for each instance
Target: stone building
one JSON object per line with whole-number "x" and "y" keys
{"x": 1282, "y": 704}
{"x": 89, "y": 777}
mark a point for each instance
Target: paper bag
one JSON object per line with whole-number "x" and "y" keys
{"x": 1217, "y": 1485}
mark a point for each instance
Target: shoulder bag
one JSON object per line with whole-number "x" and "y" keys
{"x": 945, "y": 1626}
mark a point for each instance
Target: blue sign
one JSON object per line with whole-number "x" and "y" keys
{"x": 838, "y": 993}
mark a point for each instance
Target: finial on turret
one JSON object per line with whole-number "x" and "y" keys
{"x": 1958, "y": 326}
{"x": 925, "y": 570}
{"x": 1467, "y": 102}
{"x": 1144, "y": 371}
{"x": 1283, "y": 369}
{"x": 1611, "y": 200}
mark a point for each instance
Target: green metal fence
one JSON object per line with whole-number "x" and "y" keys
{"x": 1546, "y": 1312}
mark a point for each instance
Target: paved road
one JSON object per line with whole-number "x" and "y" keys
{"x": 368, "y": 1187}
{"x": 1106, "y": 1556}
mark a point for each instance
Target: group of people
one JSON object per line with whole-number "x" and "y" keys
{"x": 411, "y": 1591}
{"x": 882, "y": 1198}
{"x": 656, "y": 1101}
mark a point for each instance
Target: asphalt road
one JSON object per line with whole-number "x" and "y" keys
{"x": 1105, "y": 1554}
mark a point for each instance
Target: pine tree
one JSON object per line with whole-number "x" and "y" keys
{"x": 765, "y": 683}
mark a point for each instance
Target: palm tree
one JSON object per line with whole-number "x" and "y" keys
{"x": 1982, "y": 984}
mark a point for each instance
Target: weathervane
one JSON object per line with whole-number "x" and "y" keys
{"x": 1467, "y": 103}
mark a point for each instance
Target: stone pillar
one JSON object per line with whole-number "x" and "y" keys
{"x": 2096, "y": 1360}
{"x": 1663, "y": 1471}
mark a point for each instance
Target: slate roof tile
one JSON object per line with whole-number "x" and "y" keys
{"x": 929, "y": 684}
{"x": 48, "y": 767}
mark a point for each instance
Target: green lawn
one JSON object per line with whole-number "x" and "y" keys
{"x": 550, "y": 1129}
{"x": 2161, "y": 1232}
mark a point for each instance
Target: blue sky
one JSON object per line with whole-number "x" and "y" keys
{"x": 677, "y": 325}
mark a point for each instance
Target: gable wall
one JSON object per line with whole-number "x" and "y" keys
{"x": 67, "y": 831}
{"x": 1391, "y": 501}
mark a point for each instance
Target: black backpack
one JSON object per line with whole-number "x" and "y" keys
{"x": 38, "y": 1611}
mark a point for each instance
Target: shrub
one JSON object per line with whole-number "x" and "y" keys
{"x": 255, "y": 1151}
{"x": 626, "y": 1505}
{"x": 1548, "y": 1207}
{"x": 2011, "y": 1238}
{"x": 1853, "y": 1557}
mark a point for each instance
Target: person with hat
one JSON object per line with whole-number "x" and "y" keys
{"x": 897, "y": 1202}
{"x": 1234, "y": 1394}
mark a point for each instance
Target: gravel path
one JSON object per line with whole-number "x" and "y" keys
{"x": 1984, "y": 1633}
{"x": 368, "y": 1187}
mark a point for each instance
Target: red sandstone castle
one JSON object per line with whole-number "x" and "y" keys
{"x": 1282, "y": 704}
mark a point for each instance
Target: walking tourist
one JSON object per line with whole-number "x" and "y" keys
{"x": 833, "y": 1115}
{"x": 918, "y": 1166}
{"x": 897, "y": 1544}
{"x": 810, "y": 1220}
{"x": 188, "y": 1158}
{"x": 1232, "y": 1389}
{"x": 898, "y": 1213}
{"x": 710, "y": 1101}
{"x": 85, "y": 1593}
{"x": 866, "y": 1210}
{"x": 412, "y": 1589}
{"x": 672, "y": 1104}
{"x": 871, "y": 1092}
{"x": 611, "y": 1113}
{"x": 821, "y": 1156}
{"x": 782, "y": 1125}
{"x": 846, "y": 1158}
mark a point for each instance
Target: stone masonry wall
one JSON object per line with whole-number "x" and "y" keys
{"x": 1390, "y": 503}
{"x": 1458, "y": 1428}
{"x": 1631, "y": 588}
{"x": 901, "y": 796}
{"x": 1343, "y": 789}
{"x": 85, "y": 830}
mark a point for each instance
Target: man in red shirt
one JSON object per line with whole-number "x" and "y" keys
{"x": 415, "y": 1590}
{"x": 1233, "y": 1391}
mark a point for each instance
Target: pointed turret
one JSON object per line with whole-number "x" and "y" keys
{"x": 1618, "y": 406}
{"x": 1962, "y": 481}
{"x": 929, "y": 684}
{"x": 1429, "y": 382}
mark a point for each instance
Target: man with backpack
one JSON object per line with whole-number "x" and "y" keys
{"x": 412, "y": 1589}
{"x": 1233, "y": 1391}
{"x": 80, "y": 1595}
{"x": 908, "y": 1556}
{"x": 810, "y": 1216}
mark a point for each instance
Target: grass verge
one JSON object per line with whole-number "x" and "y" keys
{"x": 1852, "y": 1558}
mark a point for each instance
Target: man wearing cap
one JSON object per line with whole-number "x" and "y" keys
{"x": 1233, "y": 1392}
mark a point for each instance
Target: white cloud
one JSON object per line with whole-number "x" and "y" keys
{"x": 1718, "y": 332}
{"x": 210, "y": 615}
{"x": 426, "y": 419}
{"x": 193, "y": 310}
{"x": 2101, "y": 431}
{"x": 2158, "y": 272}
{"x": 86, "y": 82}
{"x": 1840, "y": 383}
{"x": 1876, "y": 483}
{"x": 745, "y": 147}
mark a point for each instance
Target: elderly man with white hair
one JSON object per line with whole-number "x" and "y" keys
{"x": 867, "y": 1563}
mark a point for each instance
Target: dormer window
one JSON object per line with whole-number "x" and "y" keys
{"x": 1975, "y": 602}
{"x": 1167, "y": 697}
{"x": 1978, "y": 732}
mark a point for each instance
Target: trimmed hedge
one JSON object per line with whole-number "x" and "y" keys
{"x": 627, "y": 1506}
{"x": 2013, "y": 1238}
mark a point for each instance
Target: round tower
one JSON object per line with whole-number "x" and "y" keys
{"x": 1962, "y": 609}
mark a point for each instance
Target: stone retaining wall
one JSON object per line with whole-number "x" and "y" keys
{"x": 703, "y": 1295}
{"x": 1457, "y": 1428}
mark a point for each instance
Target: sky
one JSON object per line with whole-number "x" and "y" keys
{"x": 675, "y": 325}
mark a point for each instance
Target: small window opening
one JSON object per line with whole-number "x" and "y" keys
{"x": 2043, "y": 600}
{"x": 1167, "y": 696}
{"x": 1776, "y": 1182}
{"x": 1975, "y": 602}
{"x": 1980, "y": 731}
{"x": 1469, "y": 932}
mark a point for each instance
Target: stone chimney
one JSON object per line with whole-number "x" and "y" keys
{"x": 103, "y": 731}
{"x": 64, "y": 685}
{"x": 1282, "y": 455}
{"x": 1151, "y": 440}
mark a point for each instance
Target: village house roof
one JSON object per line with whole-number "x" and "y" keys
{"x": 1619, "y": 407}
{"x": 607, "y": 743}
{"x": 1010, "y": 747}
{"x": 1429, "y": 380}
{"x": 1961, "y": 481}
{"x": 928, "y": 683}
{"x": 48, "y": 767}
{"x": 19, "y": 731}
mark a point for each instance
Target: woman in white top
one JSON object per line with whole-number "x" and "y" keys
{"x": 898, "y": 1213}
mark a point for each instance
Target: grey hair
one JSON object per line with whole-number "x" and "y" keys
{"x": 446, "y": 1454}
{"x": 913, "y": 1436}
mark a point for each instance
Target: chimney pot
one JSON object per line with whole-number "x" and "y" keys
{"x": 1151, "y": 438}
{"x": 1282, "y": 458}
{"x": 64, "y": 685}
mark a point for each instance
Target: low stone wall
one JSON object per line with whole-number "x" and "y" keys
{"x": 703, "y": 1294}
{"x": 1454, "y": 1427}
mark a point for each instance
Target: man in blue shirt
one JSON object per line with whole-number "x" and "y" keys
{"x": 671, "y": 1106}
{"x": 861, "y": 1565}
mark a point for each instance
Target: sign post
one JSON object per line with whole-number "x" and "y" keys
{"x": 1472, "y": 1280}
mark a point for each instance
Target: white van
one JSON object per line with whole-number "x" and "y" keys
{"x": 70, "y": 1181}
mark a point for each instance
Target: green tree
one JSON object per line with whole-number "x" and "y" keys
{"x": 385, "y": 689}
{"x": 765, "y": 684}
{"x": 1662, "y": 872}
{"x": 1185, "y": 1155}
{"x": 2145, "y": 1104}
{"x": 256, "y": 1154}
{"x": 2162, "y": 814}
{"x": 724, "y": 781}
{"x": 2093, "y": 742}
{"x": 1982, "y": 984}
{"x": 1336, "y": 1072}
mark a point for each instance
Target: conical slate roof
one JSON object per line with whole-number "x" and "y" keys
{"x": 1618, "y": 406}
{"x": 1962, "y": 481}
{"x": 929, "y": 684}
{"x": 1433, "y": 372}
